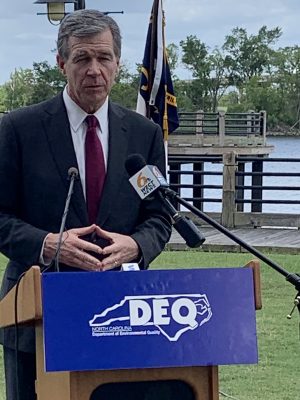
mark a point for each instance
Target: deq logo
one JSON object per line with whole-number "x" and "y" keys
{"x": 169, "y": 315}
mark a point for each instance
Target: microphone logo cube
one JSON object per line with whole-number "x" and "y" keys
{"x": 144, "y": 182}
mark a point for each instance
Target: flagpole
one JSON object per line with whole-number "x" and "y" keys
{"x": 153, "y": 47}
{"x": 156, "y": 99}
{"x": 165, "y": 117}
{"x": 165, "y": 123}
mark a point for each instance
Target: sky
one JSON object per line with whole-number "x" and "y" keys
{"x": 26, "y": 37}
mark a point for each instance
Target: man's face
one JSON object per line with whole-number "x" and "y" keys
{"x": 90, "y": 69}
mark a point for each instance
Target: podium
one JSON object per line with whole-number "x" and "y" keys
{"x": 116, "y": 335}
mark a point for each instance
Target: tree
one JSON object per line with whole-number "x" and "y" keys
{"x": 48, "y": 81}
{"x": 249, "y": 56}
{"x": 287, "y": 81}
{"x": 184, "y": 97}
{"x": 2, "y": 98}
{"x": 17, "y": 91}
{"x": 195, "y": 59}
{"x": 125, "y": 90}
{"x": 277, "y": 92}
{"x": 173, "y": 57}
{"x": 29, "y": 86}
{"x": 208, "y": 70}
{"x": 218, "y": 82}
{"x": 262, "y": 94}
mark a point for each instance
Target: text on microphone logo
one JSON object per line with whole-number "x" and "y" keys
{"x": 144, "y": 182}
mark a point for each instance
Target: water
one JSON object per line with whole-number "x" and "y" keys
{"x": 284, "y": 147}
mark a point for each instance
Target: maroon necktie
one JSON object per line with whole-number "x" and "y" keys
{"x": 94, "y": 168}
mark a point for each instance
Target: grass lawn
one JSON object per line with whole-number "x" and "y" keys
{"x": 276, "y": 377}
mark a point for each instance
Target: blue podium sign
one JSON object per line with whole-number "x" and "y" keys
{"x": 148, "y": 319}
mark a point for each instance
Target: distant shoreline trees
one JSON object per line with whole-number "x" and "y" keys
{"x": 246, "y": 73}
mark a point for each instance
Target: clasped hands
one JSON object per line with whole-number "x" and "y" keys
{"x": 77, "y": 252}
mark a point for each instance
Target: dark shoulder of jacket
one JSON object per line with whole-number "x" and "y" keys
{"x": 32, "y": 110}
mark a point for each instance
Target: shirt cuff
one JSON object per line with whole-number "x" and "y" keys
{"x": 43, "y": 260}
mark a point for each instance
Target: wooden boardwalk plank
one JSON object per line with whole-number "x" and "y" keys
{"x": 263, "y": 239}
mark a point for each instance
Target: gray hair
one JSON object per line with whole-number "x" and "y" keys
{"x": 84, "y": 23}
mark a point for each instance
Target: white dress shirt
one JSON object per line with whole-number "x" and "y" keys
{"x": 78, "y": 127}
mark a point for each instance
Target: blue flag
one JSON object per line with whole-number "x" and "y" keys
{"x": 156, "y": 99}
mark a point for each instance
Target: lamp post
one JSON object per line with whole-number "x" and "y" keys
{"x": 56, "y": 9}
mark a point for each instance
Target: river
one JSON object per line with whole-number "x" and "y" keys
{"x": 284, "y": 147}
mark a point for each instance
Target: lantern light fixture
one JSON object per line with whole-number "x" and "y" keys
{"x": 55, "y": 9}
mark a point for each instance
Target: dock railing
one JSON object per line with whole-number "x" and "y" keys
{"x": 242, "y": 186}
{"x": 220, "y": 128}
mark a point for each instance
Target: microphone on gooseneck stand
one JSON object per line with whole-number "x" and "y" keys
{"x": 147, "y": 179}
{"x": 72, "y": 175}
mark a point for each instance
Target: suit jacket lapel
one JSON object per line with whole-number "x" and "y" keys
{"x": 61, "y": 145}
{"x": 118, "y": 143}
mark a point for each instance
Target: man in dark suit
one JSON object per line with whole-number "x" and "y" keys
{"x": 39, "y": 144}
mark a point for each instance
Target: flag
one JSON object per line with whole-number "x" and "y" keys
{"x": 156, "y": 99}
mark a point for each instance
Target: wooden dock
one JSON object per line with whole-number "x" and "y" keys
{"x": 266, "y": 240}
{"x": 215, "y": 133}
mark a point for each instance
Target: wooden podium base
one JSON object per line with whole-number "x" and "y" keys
{"x": 203, "y": 381}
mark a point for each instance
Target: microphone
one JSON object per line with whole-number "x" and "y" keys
{"x": 72, "y": 175}
{"x": 147, "y": 179}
